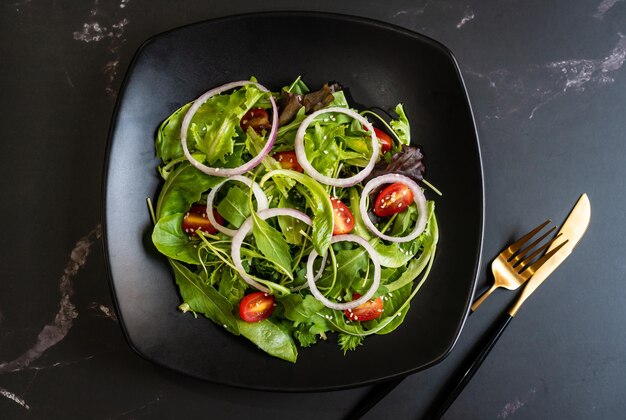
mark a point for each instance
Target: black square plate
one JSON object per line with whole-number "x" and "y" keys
{"x": 381, "y": 65}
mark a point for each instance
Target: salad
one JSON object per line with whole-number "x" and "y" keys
{"x": 289, "y": 218}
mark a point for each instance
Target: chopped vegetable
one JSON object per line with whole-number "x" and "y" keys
{"x": 248, "y": 259}
{"x": 256, "y": 307}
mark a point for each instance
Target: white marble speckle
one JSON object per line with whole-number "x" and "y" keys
{"x": 511, "y": 407}
{"x": 53, "y": 333}
{"x": 604, "y": 7}
{"x": 106, "y": 310}
{"x": 532, "y": 87}
{"x": 469, "y": 15}
{"x": 7, "y": 394}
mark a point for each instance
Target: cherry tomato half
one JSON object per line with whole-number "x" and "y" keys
{"x": 196, "y": 218}
{"x": 344, "y": 220}
{"x": 371, "y": 309}
{"x": 383, "y": 138}
{"x": 258, "y": 119}
{"x": 256, "y": 306}
{"x": 288, "y": 160}
{"x": 395, "y": 198}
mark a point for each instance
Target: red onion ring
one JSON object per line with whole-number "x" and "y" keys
{"x": 312, "y": 172}
{"x": 261, "y": 201}
{"x": 353, "y": 304}
{"x": 255, "y": 161}
{"x": 245, "y": 229}
{"x": 418, "y": 198}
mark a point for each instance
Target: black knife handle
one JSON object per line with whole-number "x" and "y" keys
{"x": 470, "y": 366}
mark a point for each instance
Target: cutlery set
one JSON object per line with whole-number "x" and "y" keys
{"x": 517, "y": 265}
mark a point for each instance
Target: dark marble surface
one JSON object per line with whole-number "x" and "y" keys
{"x": 547, "y": 83}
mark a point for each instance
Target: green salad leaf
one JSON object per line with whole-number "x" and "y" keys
{"x": 401, "y": 126}
{"x": 183, "y": 187}
{"x": 171, "y": 241}
{"x": 319, "y": 203}
{"x": 204, "y": 298}
{"x": 271, "y": 338}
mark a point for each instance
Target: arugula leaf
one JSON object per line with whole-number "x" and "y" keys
{"x": 234, "y": 207}
{"x": 171, "y": 241}
{"x": 401, "y": 126}
{"x": 203, "y": 298}
{"x": 183, "y": 187}
{"x": 272, "y": 244}
{"x": 271, "y": 338}
{"x": 320, "y": 204}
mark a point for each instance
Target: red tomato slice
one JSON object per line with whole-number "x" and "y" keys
{"x": 196, "y": 218}
{"x": 344, "y": 220}
{"x": 288, "y": 160}
{"x": 383, "y": 138}
{"x": 395, "y": 198}
{"x": 258, "y": 119}
{"x": 369, "y": 310}
{"x": 256, "y": 306}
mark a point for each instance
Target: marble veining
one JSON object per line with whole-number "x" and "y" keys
{"x": 54, "y": 332}
{"x": 529, "y": 89}
{"x": 604, "y": 7}
{"x": 512, "y": 406}
{"x": 94, "y": 31}
{"x": 8, "y": 394}
{"x": 469, "y": 15}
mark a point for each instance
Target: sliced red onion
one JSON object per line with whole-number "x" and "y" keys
{"x": 418, "y": 199}
{"x": 252, "y": 163}
{"x": 261, "y": 201}
{"x": 353, "y": 304}
{"x": 245, "y": 229}
{"x": 312, "y": 172}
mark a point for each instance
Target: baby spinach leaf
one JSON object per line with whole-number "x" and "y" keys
{"x": 234, "y": 207}
{"x": 272, "y": 244}
{"x": 271, "y": 338}
{"x": 203, "y": 298}
{"x": 318, "y": 202}
{"x": 171, "y": 241}
{"x": 183, "y": 187}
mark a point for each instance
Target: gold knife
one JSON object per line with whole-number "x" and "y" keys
{"x": 572, "y": 231}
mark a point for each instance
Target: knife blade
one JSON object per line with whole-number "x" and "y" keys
{"x": 572, "y": 231}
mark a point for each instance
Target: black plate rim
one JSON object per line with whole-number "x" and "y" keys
{"x": 325, "y": 15}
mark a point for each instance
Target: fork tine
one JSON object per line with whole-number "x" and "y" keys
{"x": 513, "y": 248}
{"x": 530, "y": 270}
{"x": 522, "y": 254}
{"x": 538, "y": 251}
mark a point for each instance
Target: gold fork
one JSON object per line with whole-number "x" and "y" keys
{"x": 511, "y": 267}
